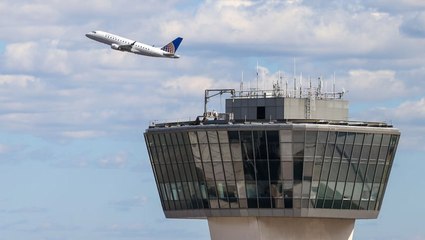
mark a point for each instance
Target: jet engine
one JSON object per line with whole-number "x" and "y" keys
{"x": 115, "y": 46}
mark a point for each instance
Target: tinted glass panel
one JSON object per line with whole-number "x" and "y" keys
{"x": 310, "y": 149}
{"x": 202, "y": 137}
{"x": 359, "y": 139}
{"x": 215, "y": 152}
{"x": 320, "y": 150}
{"x": 298, "y": 136}
{"x": 262, "y": 168}
{"x": 225, "y": 152}
{"x": 249, "y": 169}
{"x": 350, "y": 138}
{"x": 228, "y": 171}
{"x": 222, "y": 136}
{"x": 298, "y": 170}
{"x": 288, "y": 170}
{"x": 298, "y": 149}
{"x": 205, "y": 152}
{"x": 275, "y": 170}
{"x": 212, "y": 137}
{"x": 332, "y": 137}
{"x": 273, "y": 144}
{"x": 247, "y": 148}
{"x": 341, "y": 137}
{"x": 218, "y": 171}
{"x": 368, "y": 139}
{"x": 377, "y": 139}
{"x": 311, "y": 137}
{"x": 386, "y": 139}
{"x": 322, "y": 137}
{"x": 260, "y": 145}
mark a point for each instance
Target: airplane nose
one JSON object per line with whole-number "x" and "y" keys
{"x": 89, "y": 35}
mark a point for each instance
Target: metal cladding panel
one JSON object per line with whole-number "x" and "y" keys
{"x": 300, "y": 170}
{"x": 279, "y": 108}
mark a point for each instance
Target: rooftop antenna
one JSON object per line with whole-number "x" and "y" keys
{"x": 326, "y": 86}
{"x": 333, "y": 87}
{"x": 241, "y": 86}
{"x": 309, "y": 78}
{"x": 319, "y": 90}
{"x": 295, "y": 79}
{"x": 301, "y": 84}
{"x": 257, "y": 78}
{"x": 281, "y": 82}
{"x": 286, "y": 87}
{"x": 264, "y": 83}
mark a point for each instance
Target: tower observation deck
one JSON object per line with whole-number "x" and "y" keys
{"x": 275, "y": 165}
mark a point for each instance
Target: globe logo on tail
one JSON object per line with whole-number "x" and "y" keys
{"x": 169, "y": 48}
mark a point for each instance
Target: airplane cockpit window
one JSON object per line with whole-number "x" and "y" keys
{"x": 93, "y": 32}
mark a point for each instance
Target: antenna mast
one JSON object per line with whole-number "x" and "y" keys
{"x": 333, "y": 87}
{"x": 257, "y": 79}
{"x": 241, "y": 86}
{"x": 295, "y": 80}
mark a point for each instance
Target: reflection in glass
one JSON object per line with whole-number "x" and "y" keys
{"x": 228, "y": 170}
{"x": 223, "y": 137}
{"x": 273, "y": 144}
{"x": 298, "y": 170}
{"x": 225, "y": 152}
{"x": 202, "y": 137}
{"x": 205, "y": 152}
{"x": 322, "y": 137}
{"x": 311, "y": 137}
{"x": 368, "y": 139}
{"x": 271, "y": 168}
{"x": 212, "y": 137}
{"x": 377, "y": 139}
{"x": 260, "y": 147}
{"x": 239, "y": 171}
{"x": 298, "y": 149}
{"x": 262, "y": 170}
{"x": 298, "y": 136}
{"x": 218, "y": 171}
{"x": 215, "y": 152}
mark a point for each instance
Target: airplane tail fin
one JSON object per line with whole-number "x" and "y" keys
{"x": 172, "y": 46}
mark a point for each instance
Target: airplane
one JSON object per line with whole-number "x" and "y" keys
{"x": 123, "y": 44}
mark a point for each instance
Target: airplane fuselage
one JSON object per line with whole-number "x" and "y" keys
{"x": 124, "y": 44}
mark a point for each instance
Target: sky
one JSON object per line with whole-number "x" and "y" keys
{"x": 73, "y": 161}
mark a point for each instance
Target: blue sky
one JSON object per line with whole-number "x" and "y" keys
{"x": 73, "y": 163}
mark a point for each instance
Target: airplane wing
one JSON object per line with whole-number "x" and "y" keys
{"x": 126, "y": 47}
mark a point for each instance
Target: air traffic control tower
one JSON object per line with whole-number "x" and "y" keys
{"x": 277, "y": 164}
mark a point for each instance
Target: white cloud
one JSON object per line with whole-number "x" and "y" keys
{"x": 187, "y": 85}
{"x": 34, "y": 56}
{"x": 115, "y": 161}
{"x": 58, "y": 84}
{"x": 408, "y": 116}
{"x": 410, "y": 110}
{"x": 280, "y": 27}
{"x": 82, "y": 134}
{"x": 366, "y": 85}
{"x": 22, "y": 81}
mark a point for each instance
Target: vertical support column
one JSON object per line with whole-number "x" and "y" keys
{"x": 269, "y": 228}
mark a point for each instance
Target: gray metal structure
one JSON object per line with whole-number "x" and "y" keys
{"x": 273, "y": 155}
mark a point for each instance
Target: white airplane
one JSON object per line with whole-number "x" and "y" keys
{"x": 123, "y": 44}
